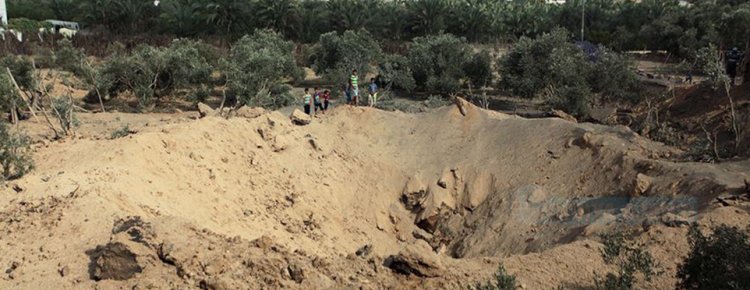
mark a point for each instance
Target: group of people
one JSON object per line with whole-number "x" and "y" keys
{"x": 319, "y": 101}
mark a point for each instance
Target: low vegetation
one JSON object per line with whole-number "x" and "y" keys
{"x": 121, "y": 132}
{"x": 719, "y": 260}
{"x": 632, "y": 263}
{"x": 501, "y": 281}
{"x": 553, "y": 67}
{"x": 258, "y": 67}
{"x": 152, "y": 73}
{"x": 337, "y": 54}
{"x": 14, "y": 153}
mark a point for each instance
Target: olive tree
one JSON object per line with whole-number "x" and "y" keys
{"x": 552, "y": 67}
{"x": 337, "y": 54}
{"x": 154, "y": 72}
{"x": 258, "y": 68}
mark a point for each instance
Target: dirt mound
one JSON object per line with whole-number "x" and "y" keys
{"x": 358, "y": 197}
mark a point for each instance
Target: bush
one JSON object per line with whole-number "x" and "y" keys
{"x": 8, "y": 92}
{"x": 720, "y": 260}
{"x": 437, "y": 62}
{"x": 479, "y": 69}
{"x": 336, "y": 55}
{"x": 64, "y": 111}
{"x": 436, "y": 102}
{"x": 631, "y": 260}
{"x": 394, "y": 73}
{"x": 27, "y": 26}
{"x": 709, "y": 62}
{"x": 258, "y": 67}
{"x": 503, "y": 281}
{"x": 121, "y": 132}
{"x": 14, "y": 154}
{"x": 70, "y": 58}
{"x": 22, "y": 69}
{"x": 613, "y": 77}
{"x": 151, "y": 72}
{"x": 551, "y": 66}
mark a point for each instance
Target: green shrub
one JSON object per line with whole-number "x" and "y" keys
{"x": 437, "y": 62}
{"x": 394, "y": 73}
{"x": 257, "y": 68}
{"x": 612, "y": 76}
{"x": 630, "y": 259}
{"x": 552, "y": 67}
{"x": 502, "y": 281}
{"x": 336, "y": 55}
{"x": 436, "y": 102}
{"x": 14, "y": 154}
{"x": 709, "y": 62}
{"x": 22, "y": 69}
{"x": 121, "y": 132}
{"x": 8, "y": 92}
{"x": 70, "y": 58}
{"x": 64, "y": 111}
{"x": 27, "y": 26}
{"x": 479, "y": 69}
{"x": 151, "y": 72}
{"x": 720, "y": 260}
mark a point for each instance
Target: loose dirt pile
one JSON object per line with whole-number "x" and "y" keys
{"x": 358, "y": 198}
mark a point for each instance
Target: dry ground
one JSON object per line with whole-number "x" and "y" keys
{"x": 360, "y": 198}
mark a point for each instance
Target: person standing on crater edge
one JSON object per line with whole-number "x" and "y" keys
{"x": 307, "y": 102}
{"x": 372, "y": 90}
{"x": 353, "y": 86}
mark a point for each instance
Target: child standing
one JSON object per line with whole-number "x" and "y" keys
{"x": 326, "y": 99}
{"x": 372, "y": 89}
{"x": 307, "y": 101}
{"x": 318, "y": 104}
{"x": 354, "y": 87}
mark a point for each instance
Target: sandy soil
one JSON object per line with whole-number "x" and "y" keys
{"x": 359, "y": 198}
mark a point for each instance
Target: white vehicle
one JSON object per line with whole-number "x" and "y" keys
{"x": 57, "y": 25}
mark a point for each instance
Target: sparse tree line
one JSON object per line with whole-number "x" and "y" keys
{"x": 259, "y": 68}
{"x": 622, "y": 25}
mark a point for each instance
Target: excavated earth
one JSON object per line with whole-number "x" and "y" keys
{"x": 357, "y": 199}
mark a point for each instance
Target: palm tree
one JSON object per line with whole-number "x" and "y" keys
{"x": 352, "y": 14}
{"x": 229, "y": 17}
{"x": 313, "y": 20}
{"x": 428, "y": 16}
{"x": 473, "y": 18}
{"x": 280, "y": 15}
{"x": 391, "y": 20}
{"x": 63, "y": 9}
{"x": 179, "y": 17}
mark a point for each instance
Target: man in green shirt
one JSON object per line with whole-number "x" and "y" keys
{"x": 353, "y": 83}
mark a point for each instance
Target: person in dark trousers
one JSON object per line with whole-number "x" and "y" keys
{"x": 347, "y": 93}
{"x": 326, "y": 99}
{"x": 733, "y": 60}
{"x": 307, "y": 101}
{"x": 318, "y": 104}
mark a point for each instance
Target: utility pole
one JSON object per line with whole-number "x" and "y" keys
{"x": 583, "y": 20}
{"x": 3, "y": 13}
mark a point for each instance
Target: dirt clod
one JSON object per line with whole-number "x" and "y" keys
{"x": 113, "y": 261}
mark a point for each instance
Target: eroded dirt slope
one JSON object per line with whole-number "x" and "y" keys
{"x": 360, "y": 198}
